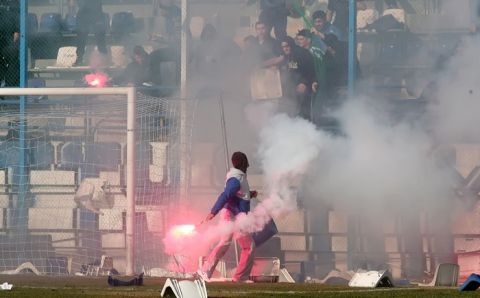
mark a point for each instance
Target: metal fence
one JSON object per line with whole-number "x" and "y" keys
{"x": 60, "y": 34}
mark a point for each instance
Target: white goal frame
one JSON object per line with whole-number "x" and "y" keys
{"x": 130, "y": 93}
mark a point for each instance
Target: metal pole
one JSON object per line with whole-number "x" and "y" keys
{"x": 183, "y": 146}
{"x": 352, "y": 47}
{"x": 130, "y": 235}
{"x": 352, "y": 72}
{"x": 184, "y": 158}
{"x": 22, "y": 181}
{"x": 224, "y": 132}
{"x": 184, "y": 50}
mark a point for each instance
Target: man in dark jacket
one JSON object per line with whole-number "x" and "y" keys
{"x": 138, "y": 71}
{"x": 235, "y": 199}
{"x": 299, "y": 70}
{"x": 90, "y": 18}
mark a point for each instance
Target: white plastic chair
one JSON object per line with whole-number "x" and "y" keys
{"x": 106, "y": 264}
{"x": 196, "y": 26}
{"x": 366, "y": 17}
{"x": 66, "y": 57}
{"x": 446, "y": 275}
{"x": 119, "y": 57}
{"x": 397, "y": 13}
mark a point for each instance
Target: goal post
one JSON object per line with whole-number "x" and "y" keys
{"x": 91, "y": 173}
{"x": 130, "y": 93}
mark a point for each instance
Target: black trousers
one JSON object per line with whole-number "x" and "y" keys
{"x": 9, "y": 61}
{"x": 82, "y": 34}
{"x": 274, "y": 19}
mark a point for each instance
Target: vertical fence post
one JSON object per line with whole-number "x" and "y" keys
{"x": 352, "y": 73}
{"x": 184, "y": 158}
{"x": 131, "y": 176}
{"x": 22, "y": 181}
{"x": 352, "y": 47}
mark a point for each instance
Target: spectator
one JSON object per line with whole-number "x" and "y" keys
{"x": 90, "y": 18}
{"x": 9, "y": 42}
{"x": 268, "y": 47}
{"x": 274, "y": 15}
{"x": 336, "y": 58}
{"x": 72, "y": 7}
{"x": 299, "y": 70}
{"x": 304, "y": 40}
{"x": 137, "y": 73}
{"x": 216, "y": 59}
{"x": 172, "y": 25}
{"x": 337, "y": 15}
{"x": 322, "y": 27}
{"x": 336, "y": 65}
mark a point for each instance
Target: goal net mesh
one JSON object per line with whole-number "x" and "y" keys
{"x": 63, "y": 184}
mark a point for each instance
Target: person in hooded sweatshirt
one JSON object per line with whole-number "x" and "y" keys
{"x": 235, "y": 199}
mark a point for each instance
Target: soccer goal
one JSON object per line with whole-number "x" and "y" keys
{"x": 87, "y": 176}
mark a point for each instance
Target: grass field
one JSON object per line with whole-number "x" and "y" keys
{"x": 44, "y": 287}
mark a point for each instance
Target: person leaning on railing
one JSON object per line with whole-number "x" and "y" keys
{"x": 9, "y": 42}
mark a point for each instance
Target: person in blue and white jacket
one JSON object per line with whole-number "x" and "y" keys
{"x": 235, "y": 199}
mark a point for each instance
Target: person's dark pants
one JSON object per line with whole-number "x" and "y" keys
{"x": 10, "y": 63}
{"x": 82, "y": 35}
{"x": 277, "y": 21}
{"x": 305, "y": 105}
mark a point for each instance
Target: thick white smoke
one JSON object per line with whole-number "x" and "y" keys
{"x": 288, "y": 146}
{"x": 378, "y": 166}
{"x": 455, "y": 113}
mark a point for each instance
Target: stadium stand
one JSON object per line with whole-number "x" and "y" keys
{"x": 51, "y": 22}
{"x": 32, "y": 23}
{"x": 70, "y": 22}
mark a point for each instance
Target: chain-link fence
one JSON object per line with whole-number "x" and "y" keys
{"x": 68, "y": 39}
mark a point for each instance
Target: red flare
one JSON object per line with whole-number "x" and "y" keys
{"x": 183, "y": 231}
{"x": 97, "y": 80}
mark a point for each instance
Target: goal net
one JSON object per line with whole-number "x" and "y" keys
{"x": 66, "y": 204}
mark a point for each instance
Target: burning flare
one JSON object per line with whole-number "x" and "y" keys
{"x": 183, "y": 231}
{"x": 97, "y": 80}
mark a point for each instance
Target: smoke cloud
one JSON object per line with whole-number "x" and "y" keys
{"x": 377, "y": 167}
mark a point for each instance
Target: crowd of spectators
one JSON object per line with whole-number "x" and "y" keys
{"x": 312, "y": 64}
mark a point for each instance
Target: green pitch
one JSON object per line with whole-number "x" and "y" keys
{"x": 45, "y": 287}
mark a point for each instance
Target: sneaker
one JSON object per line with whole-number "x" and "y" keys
{"x": 203, "y": 275}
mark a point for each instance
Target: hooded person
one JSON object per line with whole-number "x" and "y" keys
{"x": 235, "y": 199}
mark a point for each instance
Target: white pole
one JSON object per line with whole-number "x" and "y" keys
{"x": 130, "y": 233}
{"x": 183, "y": 50}
{"x": 183, "y": 113}
{"x": 64, "y": 91}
